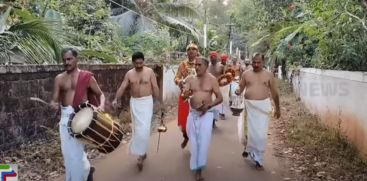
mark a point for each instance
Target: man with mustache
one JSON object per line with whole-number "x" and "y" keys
{"x": 259, "y": 84}
{"x": 203, "y": 87}
{"x": 71, "y": 88}
{"x": 143, "y": 87}
{"x": 185, "y": 69}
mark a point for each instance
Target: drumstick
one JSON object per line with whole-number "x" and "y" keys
{"x": 39, "y": 100}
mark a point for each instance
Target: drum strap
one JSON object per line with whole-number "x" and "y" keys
{"x": 82, "y": 89}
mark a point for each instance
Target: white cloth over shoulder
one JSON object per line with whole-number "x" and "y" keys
{"x": 258, "y": 112}
{"x": 76, "y": 162}
{"x": 141, "y": 113}
{"x": 200, "y": 133}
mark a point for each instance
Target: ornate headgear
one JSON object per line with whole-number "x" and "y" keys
{"x": 192, "y": 45}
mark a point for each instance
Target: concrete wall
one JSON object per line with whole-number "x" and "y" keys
{"x": 339, "y": 98}
{"x": 21, "y": 118}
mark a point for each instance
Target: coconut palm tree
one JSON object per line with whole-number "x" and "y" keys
{"x": 37, "y": 40}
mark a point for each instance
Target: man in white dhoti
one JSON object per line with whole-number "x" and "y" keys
{"x": 200, "y": 119}
{"x": 70, "y": 89}
{"x": 216, "y": 69}
{"x": 143, "y": 87}
{"x": 258, "y": 83}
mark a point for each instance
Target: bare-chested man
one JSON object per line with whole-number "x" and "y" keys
{"x": 143, "y": 84}
{"x": 259, "y": 84}
{"x": 70, "y": 89}
{"x": 216, "y": 69}
{"x": 224, "y": 89}
{"x": 247, "y": 65}
{"x": 199, "y": 125}
{"x": 236, "y": 67}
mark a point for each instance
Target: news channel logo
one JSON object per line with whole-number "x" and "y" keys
{"x": 8, "y": 172}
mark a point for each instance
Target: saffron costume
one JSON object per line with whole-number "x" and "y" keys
{"x": 185, "y": 69}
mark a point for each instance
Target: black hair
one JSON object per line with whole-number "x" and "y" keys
{"x": 72, "y": 50}
{"x": 137, "y": 55}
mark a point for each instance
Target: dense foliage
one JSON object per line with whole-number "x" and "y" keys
{"x": 88, "y": 26}
{"x": 327, "y": 34}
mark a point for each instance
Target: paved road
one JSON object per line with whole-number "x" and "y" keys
{"x": 171, "y": 163}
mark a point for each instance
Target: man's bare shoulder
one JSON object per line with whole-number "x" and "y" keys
{"x": 211, "y": 77}
{"x": 247, "y": 72}
{"x": 148, "y": 69}
{"x": 130, "y": 72}
{"x": 60, "y": 76}
{"x": 268, "y": 73}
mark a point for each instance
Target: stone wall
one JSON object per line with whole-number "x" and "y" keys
{"x": 22, "y": 119}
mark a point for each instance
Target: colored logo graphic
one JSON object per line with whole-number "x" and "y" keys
{"x": 8, "y": 172}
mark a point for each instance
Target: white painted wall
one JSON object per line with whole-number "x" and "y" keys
{"x": 339, "y": 98}
{"x": 170, "y": 89}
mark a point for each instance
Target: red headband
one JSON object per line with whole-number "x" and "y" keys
{"x": 213, "y": 54}
{"x": 224, "y": 57}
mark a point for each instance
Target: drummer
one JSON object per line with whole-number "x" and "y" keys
{"x": 143, "y": 84}
{"x": 70, "y": 89}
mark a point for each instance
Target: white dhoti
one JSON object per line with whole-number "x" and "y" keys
{"x": 224, "y": 90}
{"x": 241, "y": 128}
{"x": 258, "y": 112}
{"x": 200, "y": 133}
{"x": 216, "y": 109}
{"x": 76, "y": 162}
{"x": 141, "y": 115}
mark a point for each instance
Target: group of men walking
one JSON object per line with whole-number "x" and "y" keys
{"x": 199, "y": 105}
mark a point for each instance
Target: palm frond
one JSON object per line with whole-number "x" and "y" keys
{"x": 25, "y": 15}
{"x": 177, "y": 10}
{"x": 39, "y": 40}
{"x": 181, "y": 25}
{"x": 260, "y": 40}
